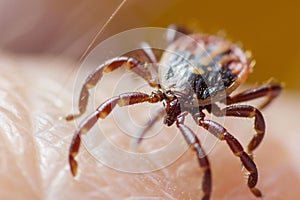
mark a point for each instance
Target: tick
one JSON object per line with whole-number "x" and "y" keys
{"x": 196, "y": 75}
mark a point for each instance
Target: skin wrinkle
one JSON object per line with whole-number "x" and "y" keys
{"x": 40, "y": 158}
{"x": 15, "y": 118}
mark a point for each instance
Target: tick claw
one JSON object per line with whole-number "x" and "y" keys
{"x": 73, "y": 165}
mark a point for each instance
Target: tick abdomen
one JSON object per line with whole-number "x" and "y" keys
{"x": 201, "y": 67}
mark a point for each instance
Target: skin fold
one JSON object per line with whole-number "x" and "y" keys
{"x": 37, "y": 91}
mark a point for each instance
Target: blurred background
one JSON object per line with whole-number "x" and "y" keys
{"x": 64, "y": 28}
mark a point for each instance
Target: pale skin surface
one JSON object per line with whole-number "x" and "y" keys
{"x": 35, "y": 92}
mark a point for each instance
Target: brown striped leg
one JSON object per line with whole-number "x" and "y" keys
{"x": 102, "y": 112}
{"x": 108, "y": 66}
{"x": 270, "y": 91}
{"x": 194, "y": 142}
{"x": 221, "y": 133}
{"x": 149, "y": 125}
{"x": 250, "y": 112}
{"x": 259, "y": 122}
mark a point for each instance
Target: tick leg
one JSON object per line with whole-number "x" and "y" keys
{"x": 149, "y": 125}
{"x": 174, "y": 31}
{"x": 194, "y": 142}
{"x": 95, "y": 77}
{"x": 149, "y": 52}
{"x": 249, "y": 112}
{"x": 221, "y": 133}
{"x": 147, "y": 55}
{"x": 102, "y": 112}
{"x": 270, "y": 91}
{"x": 259, "y": 122}
{"x": 151, "y": 55}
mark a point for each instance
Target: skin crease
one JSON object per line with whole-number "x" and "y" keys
{"x": 34, "y": 145}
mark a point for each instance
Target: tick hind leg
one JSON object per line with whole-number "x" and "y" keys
{"x": 221, "y": 133}
{"x": 109, "y": 66}
{"x": 102, "y": 112}
{"x": 194, "y": 142}
{"x": 270, "y": 91}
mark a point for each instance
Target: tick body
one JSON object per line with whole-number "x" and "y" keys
{"x": 203, "y": 67}
{"x": 196, "y": 74}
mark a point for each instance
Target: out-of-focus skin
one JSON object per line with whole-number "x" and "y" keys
{"x": 34, "y": 146}
{"x": 65, "y": 27}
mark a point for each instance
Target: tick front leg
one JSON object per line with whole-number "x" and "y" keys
{"x": 102, "y": 112}
{"x": 270, "y": 91}
{"x": 194, "y": 142}
{"x": 95, "y": 77}
{"x": 221, "y": 133}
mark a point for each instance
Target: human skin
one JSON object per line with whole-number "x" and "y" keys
{"x": 35, "y": 140}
